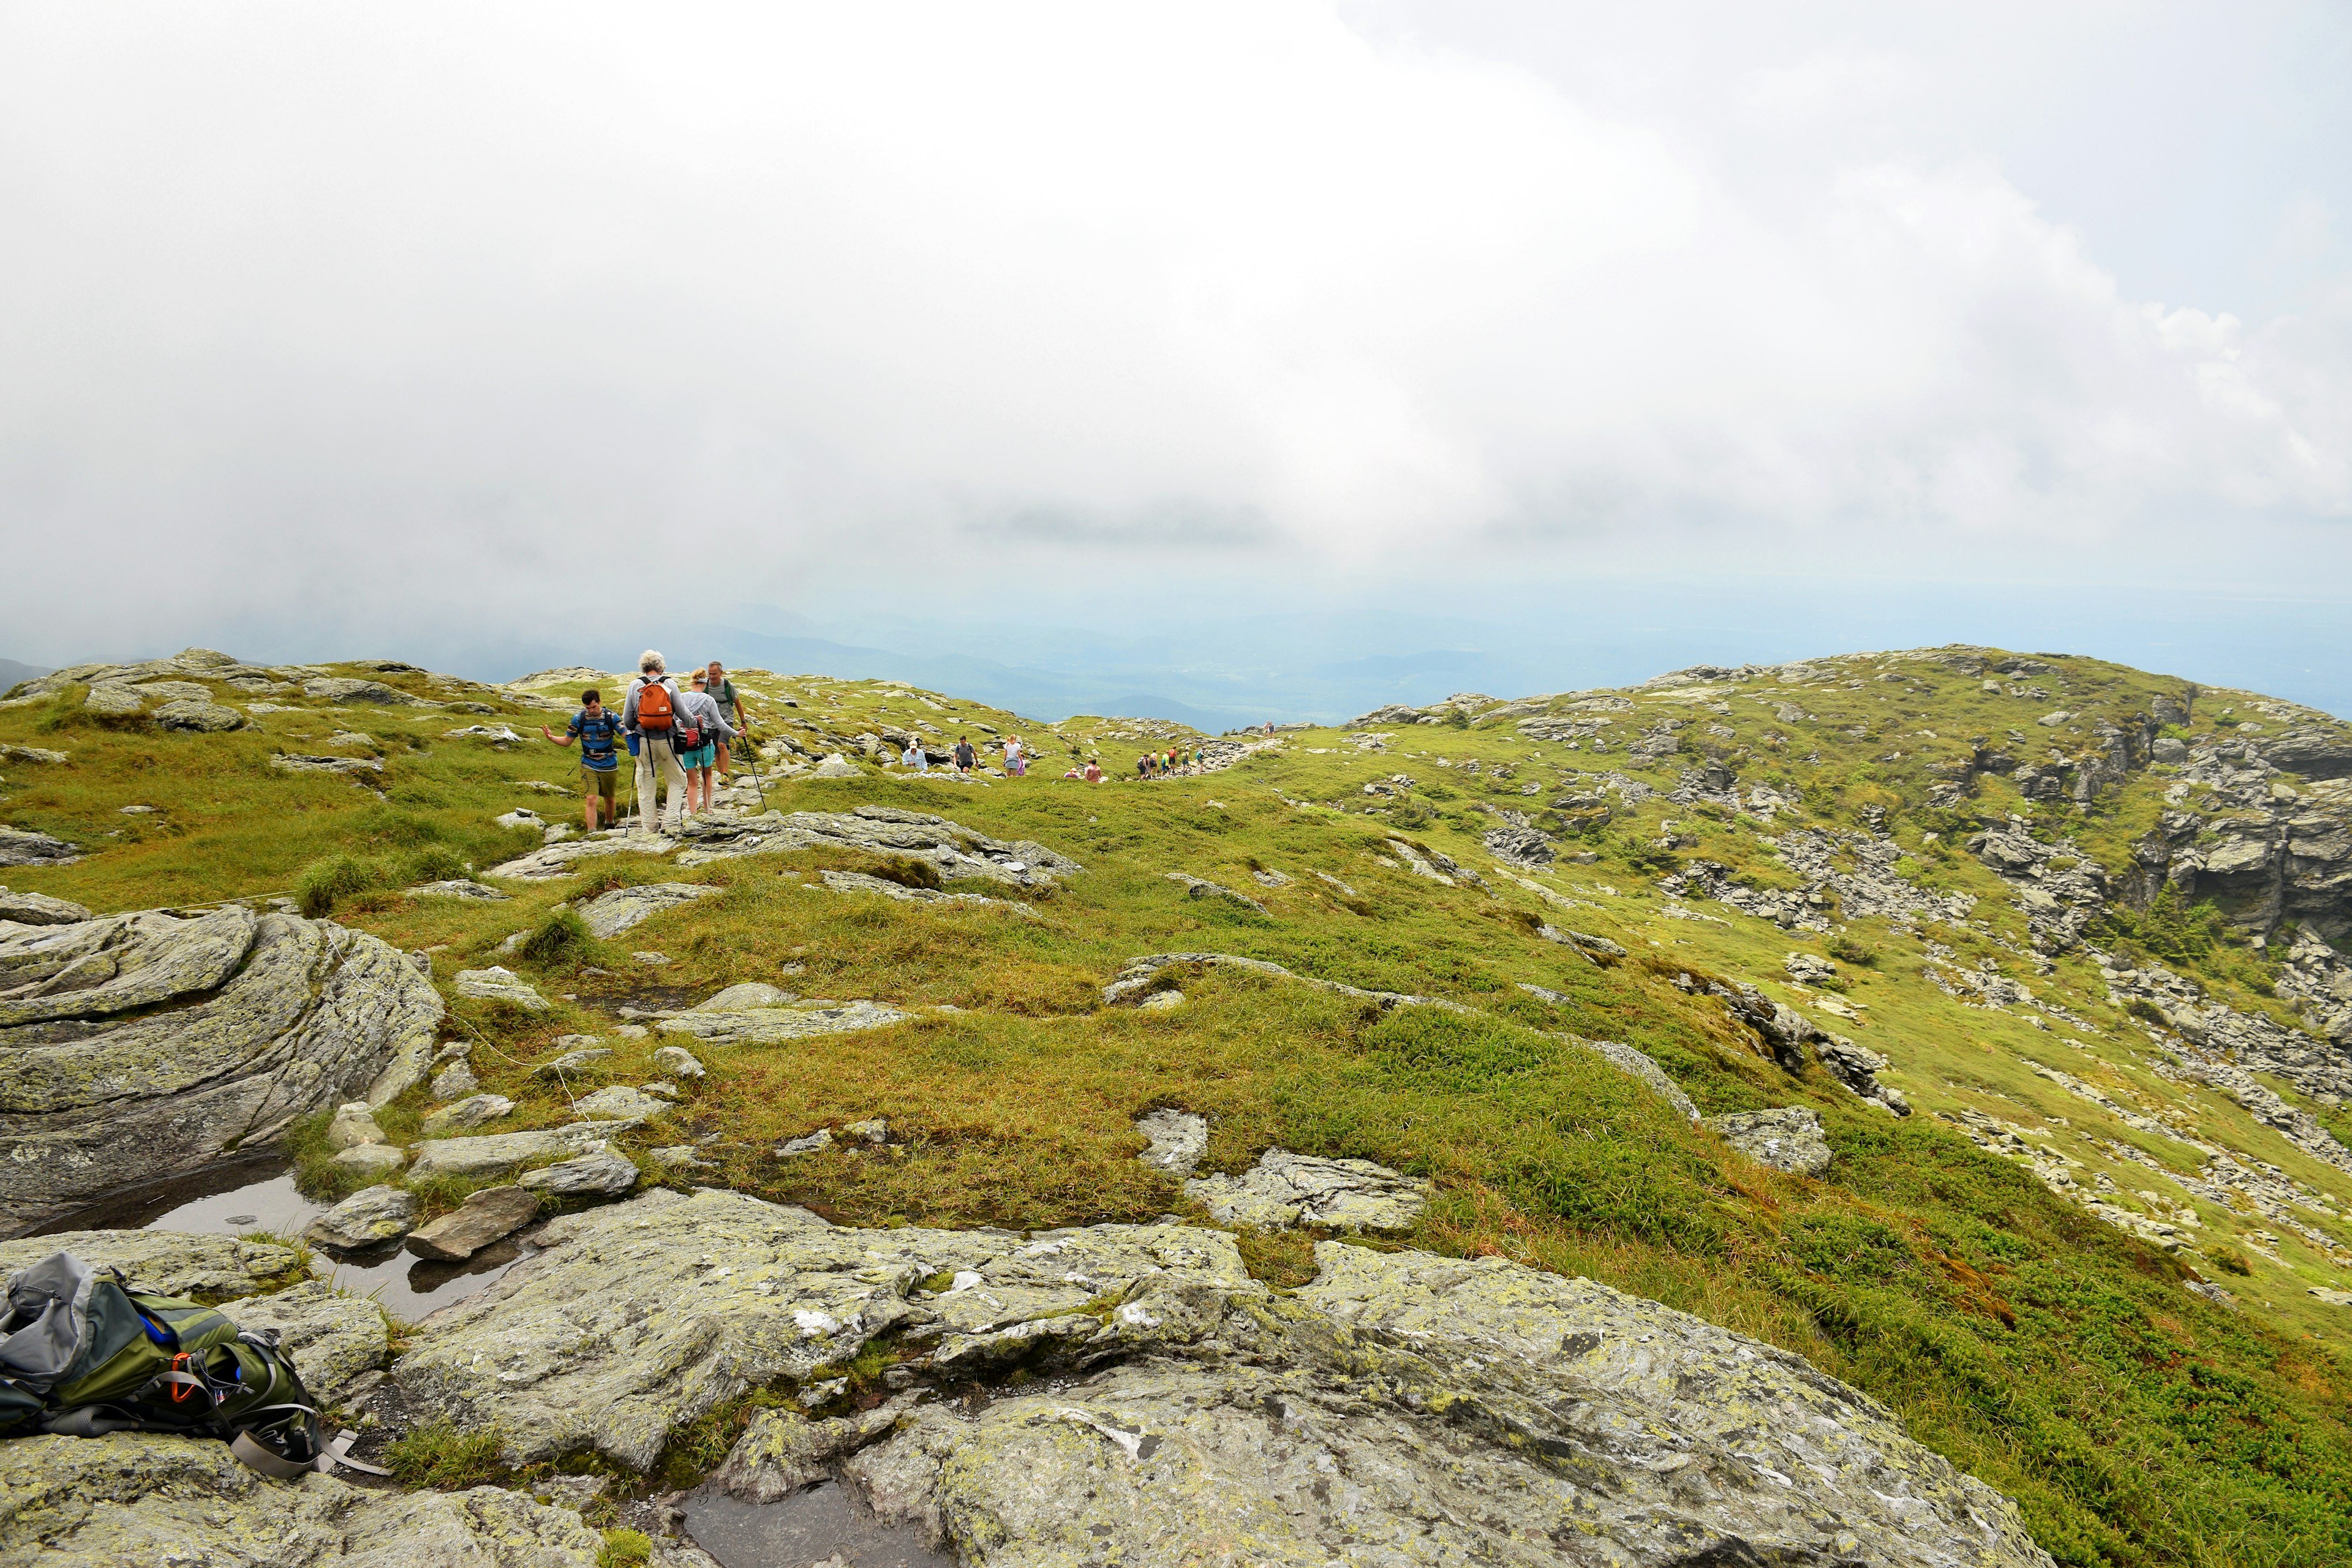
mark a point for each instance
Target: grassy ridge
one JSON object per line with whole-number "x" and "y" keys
{"x": 2054, "y": 1356}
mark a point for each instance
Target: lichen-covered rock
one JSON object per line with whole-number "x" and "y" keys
{"x": 343, "y": 689}
{"x": 333, "y": 1339}
{"x": 1406, "y": 1409}
{"x": 622, "y": 909}
{"x": 457, "y": 887}
{"x": 474, "y": 1110}
{"x": 199, "y": 716}
{"x": 783, "y": 1450}
{"x": 619, "y": 1101}
{"x": 499, "y": 984}
{"x": 503, "y": 1153}
{"x": 640, "y": 1317}
{"x": 40, "y": 910}
{"x": 601, "y": 1173}
{"x": 773, "y": 1025}
{"x": 353, "y": 1124}
{"x": 859, "y": 882}
{"x": 168, "y": 1262}
{"x": 372, "y": 1159}
{"x": 677, "y": 1062}
{"x": 368, "y": 1216}
{"x": 139, "y": 1046}
{"x": 1176, "y": 1139}
{"x": 114, "y": 700}
{"x": 1283, "y": 1189}
{"x": 148, "y": 1498}
{"x": 1787, "y": 1138}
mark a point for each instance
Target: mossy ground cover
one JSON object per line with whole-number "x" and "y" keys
{"x": 2050, "y": 1353}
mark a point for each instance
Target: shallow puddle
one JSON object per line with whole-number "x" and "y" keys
{"x": 805, "y": 1527}
{"x": 260, "y": 1196}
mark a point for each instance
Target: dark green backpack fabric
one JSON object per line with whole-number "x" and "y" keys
{"x": 82, "y": 1354}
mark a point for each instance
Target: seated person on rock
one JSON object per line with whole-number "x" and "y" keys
{"x": 915, "y": 758}
{"x": 598, "y": 732}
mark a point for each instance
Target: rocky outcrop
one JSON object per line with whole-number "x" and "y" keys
{"x": 23, "y": 846}
{"x": 138, "y": 1498}
{"x": 1283, "y": 1190}
{"x": 624, "y": 909}
{"x": 1787, "y": 1140}
{"x": 1135, "y": 977}
{"x": 40, "y": 910}
{"x": 774, "y": 1025}
{"x": 144, "y": 1046}
{"x": 167, "y": 1262}
{"x": 956, "y": 852}
{"x": 899, "y": 892}
{"x": 1174, "y": 1139}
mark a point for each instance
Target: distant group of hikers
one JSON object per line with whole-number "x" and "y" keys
{"x": 680, "y": 737}
{"x": 963, "y": 758}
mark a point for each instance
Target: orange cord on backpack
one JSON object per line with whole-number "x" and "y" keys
{"x": 182, "y": 1392}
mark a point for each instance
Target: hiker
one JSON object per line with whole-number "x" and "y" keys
{"x": 915, "y": 758}
{"x": 702, "y": 729}
{"x": 1013, "y": 768}
{"x": 1094, "y": 770}
{"x": 966, "y": 759}
{"x": 730, "y": 708}
{"x": 651, "y": 719}
{"x": 1143, "y": 767}
{"x": 600, "y": 758}
{"x": 1269, "y": 729}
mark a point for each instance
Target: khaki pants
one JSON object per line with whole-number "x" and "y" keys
{"x": 656, "y": 754}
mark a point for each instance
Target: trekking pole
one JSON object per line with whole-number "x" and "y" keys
{"x": 752, "y": 761}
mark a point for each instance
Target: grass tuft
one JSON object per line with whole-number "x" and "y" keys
{"x": 562, "y": 937}
{"x": 444, "y": 1457}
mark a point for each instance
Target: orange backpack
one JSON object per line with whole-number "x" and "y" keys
{"x": 654, "y": 707}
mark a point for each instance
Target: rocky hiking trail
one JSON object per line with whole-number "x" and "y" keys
{"x": 1278, "y": 1160}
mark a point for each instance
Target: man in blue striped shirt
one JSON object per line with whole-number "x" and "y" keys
{"x": 598, "y": 734}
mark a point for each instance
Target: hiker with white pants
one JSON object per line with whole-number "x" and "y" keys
{"x": 651, "y": 719}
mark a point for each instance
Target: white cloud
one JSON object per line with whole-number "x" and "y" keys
{"x": 437, "y": 303}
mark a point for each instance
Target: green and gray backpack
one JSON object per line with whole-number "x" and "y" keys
{"x": 81, "y": 1354}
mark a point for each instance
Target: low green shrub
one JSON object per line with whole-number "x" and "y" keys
{"x": 562, "y": 937}
{"x": 326, "y": 880}
{"x": 444, "y": 1456}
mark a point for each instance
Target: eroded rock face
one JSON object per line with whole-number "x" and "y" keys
{"x": 145, "y": 1045}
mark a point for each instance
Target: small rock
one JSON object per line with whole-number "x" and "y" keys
{"x": 664, "y": 1088}
{"x": 874, "y": 1131}
{"x": 2332, "y": 1298}
{"x": 486, "y": 1216}
{"x": 678, "y": 1061}
{"x": 369, "y": 1216}
{"x": 604, "y": 1173}
{"x": 835, "y": 767}
{"x": 1788, "y": 1138}
{"x": 633, "y": 1032}
{"x": 113, "y": 700}
{"x": 457, "y": 887}
{"x": 748, "y": 993}
{"x": 353, "y": 1124}
{"x": 682, "y": 1157}
{"x": 620, "y": 1103}
{"x": 373, "y": 1159}
{"x": 584, "y": 1060}
{"x": 455, "y": 1081}
{"x": 820, "y": 1138}
{"x": 2212, "y": 1292}
{"x": 494, "y": 1154}
{"x": 199, "y": 718}
{"x": 467, "y": 1115}
{"x": 498, "y": 983}
{"x": 1806, "y": 969}
{"x": 653, "y": 958}
{"x": 520, "y": 816}
{"x": 1177, "y": 1138}
{"x": 1160, "y": 1001}
{"x": 139, "y": 810}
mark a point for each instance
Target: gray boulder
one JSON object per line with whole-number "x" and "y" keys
{"x": 956, "y": 852}
{"x": 1809, "y": 969}
{"x": 372, "y": 1159}
{"x": 198, "y": 717}
{"x": 40, "y": 910}
{"x": 486, "y": 1216}
{"x": 499, "y": 1155}
{"x": 150, "y": 1498}
{"x": 457, "y": 887}
{"x": 1201, "y": 888}
{"x": 499, "y": 984}
{"x": 23, "y": 846}
{"x": 354, "y": 1125}
{"x": 142, "y": 1047}
{"x": 1788, "y": 1138}
{"x": 618, "y": 1101}
{"x": 604, "y": 1173}
{"x": 368, "y": 1216}
{"x": 678, "y": 1062}
{"x": 1283, "y": 1189}
{"x": 474, "y": 1110}
{"x": 622, "y": 909}
{"x": 455, "y": 1081}
{"x": 295, "y": 762}
{"x": 113, "y": 699}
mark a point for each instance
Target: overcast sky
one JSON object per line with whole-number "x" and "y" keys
{"x": 326, "y": 324}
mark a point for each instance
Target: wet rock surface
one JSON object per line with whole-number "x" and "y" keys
{"x": 369, "y": 1216}
{"x": 488, "y": 1215}
{"x": 144, "y": 1046}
